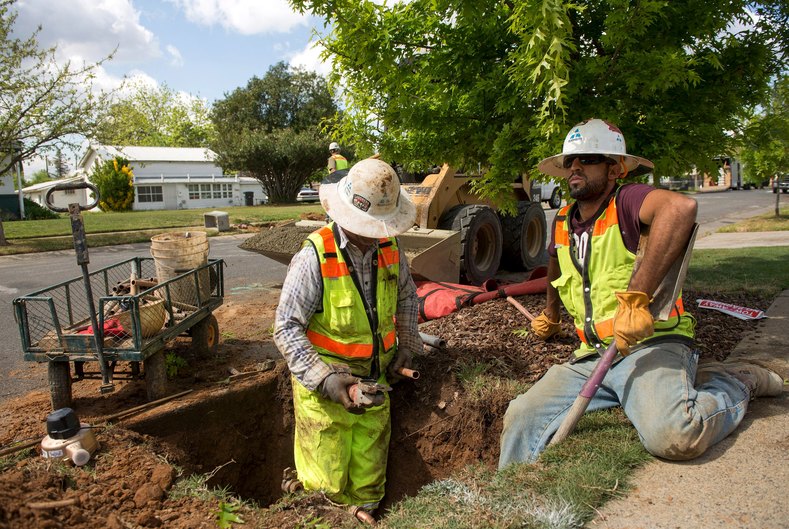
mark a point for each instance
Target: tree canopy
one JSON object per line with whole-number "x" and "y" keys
{"x": 500, "y": 83}
{"x": 156, "y": 116}
{"x": 271, "y": 129}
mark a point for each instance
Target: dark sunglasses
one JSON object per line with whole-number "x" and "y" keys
{"x": 586, "y": 159}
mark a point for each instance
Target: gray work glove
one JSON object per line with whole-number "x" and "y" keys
{"x": 402, "y": 360}
{"x": 335, "y": 388}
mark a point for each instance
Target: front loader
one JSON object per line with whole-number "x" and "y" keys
{"x": 459, "y": 237}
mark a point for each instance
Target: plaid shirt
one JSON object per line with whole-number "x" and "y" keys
{"x": 301, "y": 297}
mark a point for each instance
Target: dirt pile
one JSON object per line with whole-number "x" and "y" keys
{"x": 238, "y": 435}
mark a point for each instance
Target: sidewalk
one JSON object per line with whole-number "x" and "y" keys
{"x": 740, "y": 482}
{"x": 742, "y": 240}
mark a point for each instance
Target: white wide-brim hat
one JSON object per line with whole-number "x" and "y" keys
{"x": 368, "y": 201}
{"x": 594, "y": 136}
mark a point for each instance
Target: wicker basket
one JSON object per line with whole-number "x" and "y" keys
{"x": 152, "y": 316}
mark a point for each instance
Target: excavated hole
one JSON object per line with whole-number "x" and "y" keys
{"x": 252, "y": 424}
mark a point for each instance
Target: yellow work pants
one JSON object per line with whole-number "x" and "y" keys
{"x": 339, "y": 453}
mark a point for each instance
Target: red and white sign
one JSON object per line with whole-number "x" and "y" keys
{"x": 743, "y": 313}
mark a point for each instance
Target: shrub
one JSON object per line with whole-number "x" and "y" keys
{"x": 35, "y": 212}
{"x": 114, "y": 180}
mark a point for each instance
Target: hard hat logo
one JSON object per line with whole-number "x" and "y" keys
{"x": 361, "y": 203}
{"x": 367, "y": 201}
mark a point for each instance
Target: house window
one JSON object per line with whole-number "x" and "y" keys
{"x": 69, "y": 191}
{"x": 149, "y": 194}
{"x": 210, "y": 191}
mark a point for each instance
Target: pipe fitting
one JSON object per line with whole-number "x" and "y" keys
{"x": 362, "y": 515}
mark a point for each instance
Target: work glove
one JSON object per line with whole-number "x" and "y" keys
{"x": 403, "y": 359}
{"x": 543, "y": 327}
{"x": 335, "y": 388}
{"x": 632, "y": 322}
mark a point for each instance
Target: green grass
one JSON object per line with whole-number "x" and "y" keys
{"x": 561, "y": 490}
{"x": 759, "y": 270}
{"x": 103, "y": 222}
{"x": 766, "y": 222}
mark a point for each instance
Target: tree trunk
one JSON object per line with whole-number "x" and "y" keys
{"x": 777, "y": 204}
{"x": 3, "y": 242}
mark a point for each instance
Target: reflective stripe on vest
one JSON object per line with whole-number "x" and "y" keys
{"x": 343, "y": 330}
{"x": 588, "y": 295}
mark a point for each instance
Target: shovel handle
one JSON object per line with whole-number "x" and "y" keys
{"x": 585, "y": 395}
{"x": 515, "y": 303}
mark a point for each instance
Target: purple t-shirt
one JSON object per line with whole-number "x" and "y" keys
{"x": 628, "y": 205}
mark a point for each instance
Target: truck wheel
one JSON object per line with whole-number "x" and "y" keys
{"x": 59, "y": 376}
{"x": 524, "y": 237}
{"x": 155, "y": 376}
{"x": 556, "y": 198}
{"x": 480, "y": 240}
{"x": 205, "y": 337}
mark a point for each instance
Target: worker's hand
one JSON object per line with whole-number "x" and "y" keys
{"x": 543, "y": 327}
{"x": 633, "y": 322}
{"x": 403, "y": 359}
{"x": 335, "y": 388}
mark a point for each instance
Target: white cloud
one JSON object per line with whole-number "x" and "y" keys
{"x": 89, "y": 29}
{"x": 248, "y": 17}
{"x": 310, "y": 59}
{"x": 175, "y": 55}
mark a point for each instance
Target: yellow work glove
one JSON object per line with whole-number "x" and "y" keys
{"x": 633, "y": 321}
{"x": 543, "y": 327}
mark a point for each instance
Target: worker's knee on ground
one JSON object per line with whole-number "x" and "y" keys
{"x": 674, "y": 444}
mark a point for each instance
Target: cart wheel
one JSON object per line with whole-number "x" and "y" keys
{"x": 59, "y": 376}
{"x": 155, "y": 376}
{"x": 205, "y": 337}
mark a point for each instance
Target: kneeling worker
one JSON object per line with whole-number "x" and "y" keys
{"x": 347, "y": 312}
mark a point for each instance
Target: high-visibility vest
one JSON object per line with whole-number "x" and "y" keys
{"x": 345, "y": 329}
{"x": 588, "y": 295}
{"x": 340, "y": 162}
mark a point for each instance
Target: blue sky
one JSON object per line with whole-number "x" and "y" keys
{"x": 206, "y": 48}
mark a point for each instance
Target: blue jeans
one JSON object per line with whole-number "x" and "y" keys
{"x": 678, "y": 408}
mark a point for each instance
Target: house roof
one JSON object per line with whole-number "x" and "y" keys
{"x": 152, "y": 154}
{"x": 43, "y": 186}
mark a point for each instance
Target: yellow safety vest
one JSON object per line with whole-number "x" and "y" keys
{"x": 346, "y": 330}
{"x": 588, "y": 295}
{"x": 339, "y": 162}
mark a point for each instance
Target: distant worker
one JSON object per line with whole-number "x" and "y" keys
{"x": 346, "y": 323}
{"x": 337, "y": 161}
{"x": 679, "y": 407}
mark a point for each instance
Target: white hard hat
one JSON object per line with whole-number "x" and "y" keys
{"x": 593, "y": 136}
{"x": 334, "y": 146}
{"x": 368, "y": 202}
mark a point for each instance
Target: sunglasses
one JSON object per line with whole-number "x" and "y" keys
{"x": 587, "y": 159}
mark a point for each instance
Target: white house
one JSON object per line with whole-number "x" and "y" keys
{"x": 178, "y": 178}
{"x": 38, "y": 193}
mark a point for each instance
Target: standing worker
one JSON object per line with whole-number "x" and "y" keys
{"x": 679, "y": 408}
{"x": 337, "y": 161}
{"x": 348, "y": 311}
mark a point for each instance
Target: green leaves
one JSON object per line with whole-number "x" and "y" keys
{"x": 227, "y": 516}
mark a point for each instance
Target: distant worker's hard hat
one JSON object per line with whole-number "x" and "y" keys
{"x": 595, "y": 136}
{"x": 334, "y": 146}
{"x": 368, "y": 202}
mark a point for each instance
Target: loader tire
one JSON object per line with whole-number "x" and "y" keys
{"x": 155, "y": 376}
{"x": 524, "y": 238}
{"x": 59, "y": 377}
{"x": 480, "y": 241}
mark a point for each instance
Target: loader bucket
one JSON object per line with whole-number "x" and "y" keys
{"x": 432, "y": 254}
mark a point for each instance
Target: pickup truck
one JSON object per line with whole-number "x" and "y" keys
{"x": 550, "y": 192}
{"x": 781, "y": 183}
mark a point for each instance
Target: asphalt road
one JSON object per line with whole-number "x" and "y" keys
{"x": 245, "y": 272}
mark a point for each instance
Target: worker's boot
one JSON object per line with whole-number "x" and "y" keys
{"x": 761, "y": 382}
{"x": 290, "y": 483}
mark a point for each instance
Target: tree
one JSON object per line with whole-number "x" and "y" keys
{"x": 114, "y": 182}
{"x": 155, "y": 116}
{"x": 60, "y": 164}
{"x": 499, "y": 83}
{"x": 271, "y": 129}
{"x": 765, "y": 151}
{"x": 43, "y": 104}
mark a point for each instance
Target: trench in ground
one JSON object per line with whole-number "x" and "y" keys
{"x": 252, "y": 425}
